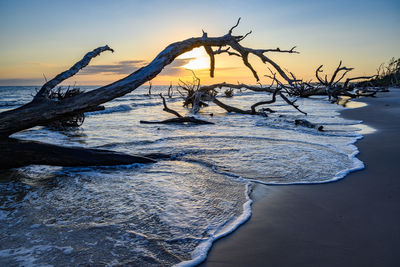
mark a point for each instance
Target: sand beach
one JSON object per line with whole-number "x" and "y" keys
{"x": 352, "y": 222}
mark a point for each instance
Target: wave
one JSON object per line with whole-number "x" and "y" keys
{"x": 108, "y": 110}
{"x": 201, "y": 251}
{"x": 123, "y": 108}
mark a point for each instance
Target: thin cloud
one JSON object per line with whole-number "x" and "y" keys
{"x": 175, "y": 68}
{"x": 207, "y": 71}
{"x": 122, "y": 67}
{"x": 21, "y": 82}
{"x": 126, "y": 67}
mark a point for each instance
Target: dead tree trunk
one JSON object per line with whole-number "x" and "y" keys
{"x": 16, "y": 153}
{"x": 42, "y": 110}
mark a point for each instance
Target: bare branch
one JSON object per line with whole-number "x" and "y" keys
{"x": 210, "y": 53}
{"x": 230, "y": 108}
{"x": 46, "y": 88}
{"x": 206, "y": 88}
{"x": 253, "y": 107}
{"x": 341, "y": 77}
{"x": 292, "y": 103}
{"x": 150, "y": 86}
{"x": 220, "y": 51}
{"x": 339, "y": 69}
{"x": 166, "y": 109}
{"x": 244, "y": 51}
{"x": 237, "y": 23}
{"x": 357, "y": 78}
{"x": 244, "y": 36}
{"x": 170, "y": 90}
{"x": 281, "y": 51}
{"x": 319, "y": 69}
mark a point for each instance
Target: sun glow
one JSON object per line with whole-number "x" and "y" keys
{"x": 197, "y": 64}
{"x": 198, "y": 59}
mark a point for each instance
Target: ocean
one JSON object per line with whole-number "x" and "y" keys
{"x": 170, "y": 212}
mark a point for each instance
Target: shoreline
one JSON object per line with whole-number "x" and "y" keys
{"x": 351, "y": 222}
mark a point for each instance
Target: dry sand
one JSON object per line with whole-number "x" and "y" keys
{"x": 352, "y": 222}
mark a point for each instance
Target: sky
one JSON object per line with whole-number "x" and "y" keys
{"x": 40, "y": 39}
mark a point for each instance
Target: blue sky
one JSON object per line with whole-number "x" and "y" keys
{"x": 45, "y": 37}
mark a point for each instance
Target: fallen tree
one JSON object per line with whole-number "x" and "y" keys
{"x": 333, "y": 87}
{"x": 209, "y": 93}
{"x": 197, "y": 96}
{"x": 43, "y": 110}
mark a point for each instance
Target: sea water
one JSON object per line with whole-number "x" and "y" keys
{"x": 170, "y": 212}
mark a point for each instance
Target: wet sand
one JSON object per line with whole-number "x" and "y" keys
{"x": 352, "y": 222}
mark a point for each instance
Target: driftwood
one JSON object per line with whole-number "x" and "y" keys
{"x": 43, "y": 110}
{"x": 333, "y": 88}
{"x": 187, "y": 119}
{"x": 228, "y": 92}
{"x": 179, "y": 119}
{"x": 196, "y": 96}
{"x": 252, "y": 110}
{"x": 231, "y": 109}
{"x": 16, "y": 153}
{"x": 254, "y": 88}
{"x": 150, "y": 86}
{"x": 306, "y": 123}
{"x": 170, "y": 90}
{"x": 191, "y": 93}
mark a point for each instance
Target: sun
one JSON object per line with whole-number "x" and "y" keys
{"x": 198, "y": 59}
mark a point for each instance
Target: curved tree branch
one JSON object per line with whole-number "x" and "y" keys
{"x": 48, "y": 86}
{"x": 253, "y": 107}
{"x": 346, "y": 83}
{"x": 319, "y": 69}
{"x": 167, "y": 109}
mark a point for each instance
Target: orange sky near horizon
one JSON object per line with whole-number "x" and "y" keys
{"x": 228, "y": 68}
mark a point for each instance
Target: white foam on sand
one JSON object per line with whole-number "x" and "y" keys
{"x": 201, "y": 251}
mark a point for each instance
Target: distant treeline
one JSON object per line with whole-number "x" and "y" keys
{"x": 387, "y": 75}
